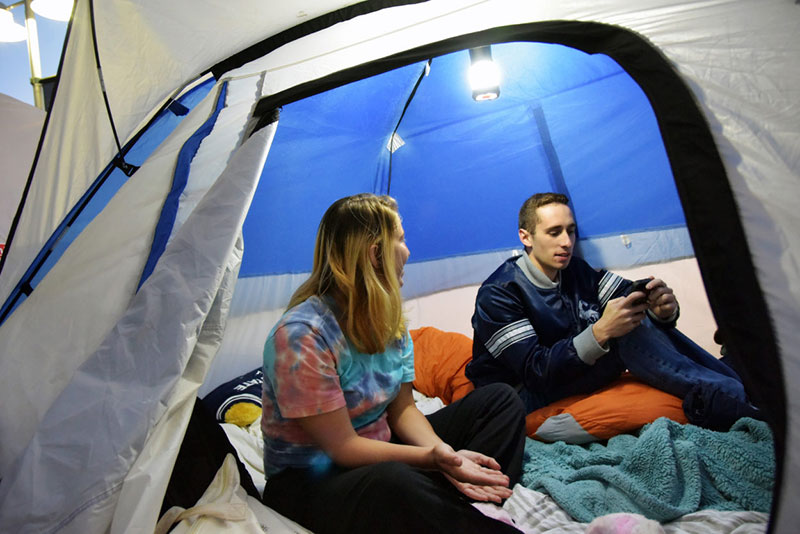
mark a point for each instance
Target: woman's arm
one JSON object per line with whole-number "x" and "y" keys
{"x": 474, "y": 474}
{"x": 407, "y": 422}
{"x": 333, "y": 433}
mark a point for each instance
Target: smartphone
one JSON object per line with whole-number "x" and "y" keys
{"x": 639, "y": 285}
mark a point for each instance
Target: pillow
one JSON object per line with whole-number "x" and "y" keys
{"x": 237, "y": 401}
{"x": 439, "y": 362}
{"x": 623, "y": 406}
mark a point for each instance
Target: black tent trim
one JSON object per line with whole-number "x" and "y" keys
{"x": 314, "y": 25}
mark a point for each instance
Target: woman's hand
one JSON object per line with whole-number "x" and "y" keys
{"x": 474, "y": 474}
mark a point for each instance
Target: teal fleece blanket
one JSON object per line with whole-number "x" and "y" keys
{"x": 665, "y": 471}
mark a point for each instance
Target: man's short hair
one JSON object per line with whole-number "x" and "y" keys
{"x": 527, "y": 213}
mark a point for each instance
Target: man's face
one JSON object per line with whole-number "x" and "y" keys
{"x": 550, "y": 245}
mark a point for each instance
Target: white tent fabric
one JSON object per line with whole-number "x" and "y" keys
{"x": 69, "y": 339}
{"x": 66, "y": 297}
{"x": 150, "y": 40}
{"x": 170, "y": 329}
{"x": 20, "y": 128}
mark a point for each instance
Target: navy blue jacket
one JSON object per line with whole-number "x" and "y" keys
{"x": 535, "y": 338}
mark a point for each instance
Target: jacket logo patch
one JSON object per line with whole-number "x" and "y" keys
{"x": 588, "y": 312}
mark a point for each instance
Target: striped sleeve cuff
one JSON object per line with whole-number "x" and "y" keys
{"x": 609, "y": 284}
{"x": 508, "y": 335}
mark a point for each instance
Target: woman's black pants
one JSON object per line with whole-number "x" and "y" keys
{"x": 393, "y": 497}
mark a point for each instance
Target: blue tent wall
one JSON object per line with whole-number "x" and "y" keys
{"x": 565, "y": 120}
{"x": 326, "y": 147}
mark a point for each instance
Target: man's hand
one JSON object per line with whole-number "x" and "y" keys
{"x": 475, "y": 475}
{"x": 620, "y": 316}
{"x": 661, "y": 299}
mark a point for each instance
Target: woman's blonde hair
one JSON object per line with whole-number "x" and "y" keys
{"x": 367, "y": 298}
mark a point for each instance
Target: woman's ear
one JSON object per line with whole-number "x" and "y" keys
{"x": 374, "y": 255}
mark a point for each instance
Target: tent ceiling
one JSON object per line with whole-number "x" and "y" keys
{"x": 565, "y": 121}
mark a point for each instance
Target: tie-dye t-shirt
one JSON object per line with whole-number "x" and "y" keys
{"x": 310, "y": 368}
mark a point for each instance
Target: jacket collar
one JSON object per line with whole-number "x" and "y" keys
{"x": 535, "y": 275}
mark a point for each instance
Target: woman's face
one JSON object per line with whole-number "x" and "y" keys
{"x": 401, "y": 252}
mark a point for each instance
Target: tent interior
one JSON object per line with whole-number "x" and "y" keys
{"x": 565, "y": 120}
{"x": 568, "y": 119}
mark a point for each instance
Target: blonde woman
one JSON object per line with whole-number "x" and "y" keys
{"x": 345, "y": 448}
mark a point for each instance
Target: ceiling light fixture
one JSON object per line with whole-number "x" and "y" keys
{"x": 484, "y": 75}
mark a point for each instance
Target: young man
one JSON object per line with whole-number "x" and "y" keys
{"x": 552, "y": 326}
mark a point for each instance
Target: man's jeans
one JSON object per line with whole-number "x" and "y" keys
{"x": 713, "y": 394}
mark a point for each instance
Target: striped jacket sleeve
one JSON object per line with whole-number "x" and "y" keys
{"x": 513, "y": 347}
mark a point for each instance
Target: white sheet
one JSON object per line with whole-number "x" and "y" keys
{"x": 249, "y": 445}
{"x": 536, "y": 513}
